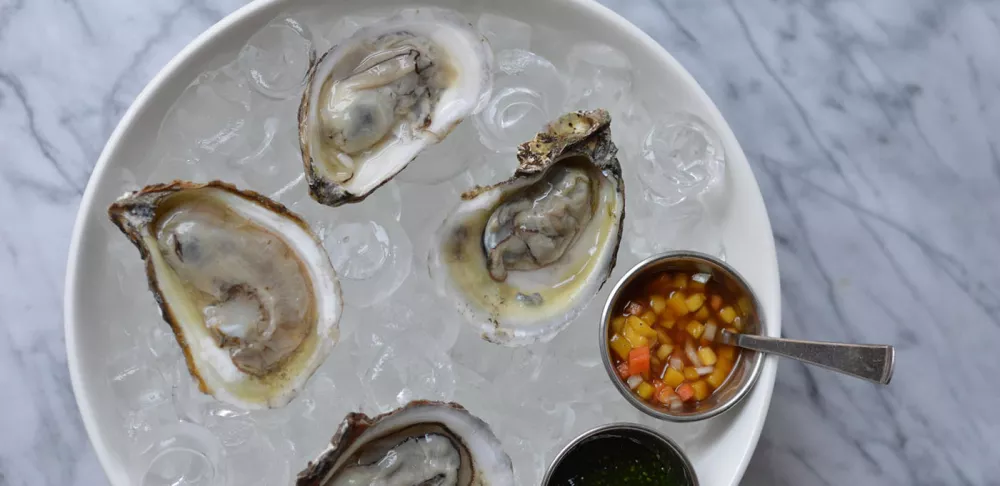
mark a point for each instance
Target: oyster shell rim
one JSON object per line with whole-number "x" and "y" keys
{"x": 333, "y": 194}
{"x": 356, "y": 424}
{"x": 153, "y": 193}
{"x": 535, "y": 158}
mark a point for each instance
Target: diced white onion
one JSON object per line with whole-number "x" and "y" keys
{"x": 710, "y": 329}
{"x": 677, "y": 364}
{"x": 634, "y": 381}
{"x": 675, "y": 403}
{"x": 691, "y": 354}
{"x": 705, "y": 370}
{"x": 701, "y": 278}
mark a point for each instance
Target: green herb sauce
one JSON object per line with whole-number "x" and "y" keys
{"x": 615, "y": 461}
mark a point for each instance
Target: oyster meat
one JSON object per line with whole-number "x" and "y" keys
{"x": 522, "y": 258}
{"x": 246, "y": 287}
{"x": 422, "y": 443}
{"x": 376, "y": 100}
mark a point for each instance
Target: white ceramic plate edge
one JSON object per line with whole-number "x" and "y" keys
{"x": 118, "y": 475}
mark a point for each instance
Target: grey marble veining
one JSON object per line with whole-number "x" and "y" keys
{"x": 874, "y": 132}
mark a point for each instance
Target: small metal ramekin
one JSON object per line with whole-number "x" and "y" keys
{"x": 645, "y": 435}
{"x": 748, "y": 365}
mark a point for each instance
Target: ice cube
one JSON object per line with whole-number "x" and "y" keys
{"x": 415, "y": 368}
{"x": 504, "y": 33}
{"x": 177, "y": 167}
{"x": 372, "y": 258}
{"x": 267, "y": 169}
{"x": 446, "y": 159}
{"x": 486, "y": 359}
{"x": 259, "y": 461}
{"x": 206, "y": 119}
{"x": 141, "y": 424}
{"x": 162, "y": 343}
{"x": 347, "y": 26}
{"x": 232, "y": 431}
{"x": 685, "y": 225}
{"x": 600, "y": 76}
{"x": 383, "y": 382}
{"x": 277, "y": 58}
{"x": 487, "y": 169}
{"x": 527, "y": 94}
{"x": 315, "y": 420}
{"x": 135, "y": 384}
{"x": 682, "y": 158}
{"x": 529, "y": 464}
{"x": 180, "y": 453}
{"x": 415, "y": 306}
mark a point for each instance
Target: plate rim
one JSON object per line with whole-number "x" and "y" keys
{"x": 118, "y": 475}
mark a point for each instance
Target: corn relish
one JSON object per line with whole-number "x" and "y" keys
{"x": 662, "y": 339}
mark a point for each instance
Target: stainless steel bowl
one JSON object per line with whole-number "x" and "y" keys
{"x": 644, "y": 435}
{"x": 747, "y": 367}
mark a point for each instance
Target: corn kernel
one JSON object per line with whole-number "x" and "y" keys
{"x": 676, "y": 304}
{"x": 658, "y": 303}
{"x": 640, "y": 326}
{"x": 673, "y": 377}
{"x": 690, "y": 373}
{"x": 738, "y": 323}
{"x": 620, "y": 346}
{"x": 744, "y": 305}
{"x": 645, "y": 390}
{"x": 724, "y": 364}
{"x": 694, "y": 302}
{"x": 695, "y": 329}
{"x": 649, "y": 317}
{"x": 696, "y": 285}
{"x": 727, "y": 352}
{"x": 716, "y": 378}
{"x": 681, "y": 281}
{"x": 663, "y": 352}
{"x": 617, "y": 324}
{"x": 663, "y": 337}
{"x": 634, "y": 338}
{"x": 700, "y": 390}
{"x": 702, "y": 314}
{"x": 661, "y": 285}
{"x": 667, "y": 321}
{"x": 727, "y": 314}
{"x": 707, "y": 356}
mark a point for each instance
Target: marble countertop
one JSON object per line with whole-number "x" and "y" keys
{"x": 872, "y": 128}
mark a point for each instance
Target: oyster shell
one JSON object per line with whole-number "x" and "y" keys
{"x": 375, "y": 101}
{"x": 421, "y": 443}
{"x": 246, "y": 287}
{"x": 522, "y": 258}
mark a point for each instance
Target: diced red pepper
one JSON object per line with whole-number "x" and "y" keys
{"x": 638, "y": 360}
{"x": 623, "y": 370}
{"x": 685, "y": 391}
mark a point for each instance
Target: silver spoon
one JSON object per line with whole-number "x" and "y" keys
{"x": 872, "y": 362}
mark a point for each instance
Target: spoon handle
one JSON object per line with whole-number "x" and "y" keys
{"x": 872, "y": 362}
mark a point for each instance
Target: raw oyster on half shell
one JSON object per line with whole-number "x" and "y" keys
{"x": 376, "y": 100}
{"x": 246, "y": 287}
{"x": 522, "y": 258}
{"x": 423, "y": 443}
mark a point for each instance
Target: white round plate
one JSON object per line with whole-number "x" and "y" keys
{"x": 100, "y": 308}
